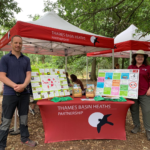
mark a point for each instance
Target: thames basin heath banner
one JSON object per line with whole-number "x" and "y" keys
{"x": 48, "y": 83}
{"x": 118, "y": 82}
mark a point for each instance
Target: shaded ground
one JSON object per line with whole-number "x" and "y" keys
{"x": 133, "y": 142}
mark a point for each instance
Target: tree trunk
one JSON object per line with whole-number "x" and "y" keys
{"x": 93, "y": 70}
{"x": 122, "y": 63}
{"x": 115, "y": 61}
{"x": 43, "y": 59}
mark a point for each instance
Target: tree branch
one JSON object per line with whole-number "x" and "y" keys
{"x": 101, "y": 9}
{"x": 135, "y": 10}
{"x": 144, "y": 34}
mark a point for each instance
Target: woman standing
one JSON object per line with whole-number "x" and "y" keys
{"x": 139, "y": 61}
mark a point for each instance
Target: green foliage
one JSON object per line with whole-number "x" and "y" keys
{"x": 3, "y": 53}
{"x": 7, "y": 20}
{"x": 35, "y": 17}
{"x": 3, "y": 31}
{"x": 7, "y": 9}
{"x": 41, "y": 65}
{"x": 104, "y": 17}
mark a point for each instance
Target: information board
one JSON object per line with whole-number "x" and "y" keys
{"x": 118, "y": 82}
{"x": 48, "y": 83}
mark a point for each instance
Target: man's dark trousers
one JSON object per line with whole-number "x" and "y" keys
{"x": 9, "y": 104}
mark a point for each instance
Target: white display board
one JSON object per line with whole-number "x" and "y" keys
{"x": 118, "y": 82}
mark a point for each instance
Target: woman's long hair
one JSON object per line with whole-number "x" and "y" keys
{"x": 73, "y": 77}
{"x": 145, "y": 62}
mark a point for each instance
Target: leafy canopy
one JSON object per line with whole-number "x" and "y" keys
{"x": 7, "y": 10}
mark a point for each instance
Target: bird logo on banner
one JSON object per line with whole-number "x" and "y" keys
{"x": 94, "y": 40}
{"x": 98, "y": 119}
{"x": 102, "y": 122}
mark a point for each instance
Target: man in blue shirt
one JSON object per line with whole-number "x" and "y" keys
{"x": 15, "y": 73}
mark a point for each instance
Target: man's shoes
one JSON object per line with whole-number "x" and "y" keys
{"x": 30, "y": 143}
{"x": 2, "y": 148}
{"x": 136, "y": 129}
{"x": 148, "y": 134}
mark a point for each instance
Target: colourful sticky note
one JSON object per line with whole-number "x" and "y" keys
{"x": 100, "y": 84}
{"x": 115, "y": 90}
{"x": 124, "y": 75}
{"x": 108, "y": 75}
{"x": 107, "y": 90}
{"x": 116, "y": 83}
{"x": 116, "y": 76}
{"x": 123, "y": 87}
{"x": 101, "y": 74}
{"x": 123, "y": 93}
{"x": 100, "y": 79}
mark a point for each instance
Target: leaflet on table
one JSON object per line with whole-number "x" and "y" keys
{"x": 118, "y": 82}
{"x": 88, "y": 99}
{"x": 47, "y": 83}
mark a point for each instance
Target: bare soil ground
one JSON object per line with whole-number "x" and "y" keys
{"x": 134, "y": 141}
